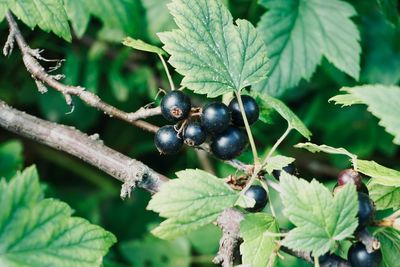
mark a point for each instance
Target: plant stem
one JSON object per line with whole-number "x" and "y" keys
{"x": 278, "y": 142}
{"x": 265, "y": 185}
{"x": 248, "y": 130}
{"x": 171, "y": 82}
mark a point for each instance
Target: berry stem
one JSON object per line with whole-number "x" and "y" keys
{"x": 248, "y": 130}
{"x": 171, "y": 82}
{"x": 278, "y": 142}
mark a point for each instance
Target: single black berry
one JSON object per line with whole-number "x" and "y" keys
{"x": 365, "y": 210}
{"x": 358, "y": 256}
{"x": 175, "y": 106}
{"x": 350, "y": 175}
{"x": 215, "y": 117}
{"x": 229, "y": 144}
{"x": 251, "y": 110}
{"x": 290, "y": 169}
{"x": 194, "y": 134}
{"x": 167, "y": 140}
{"x": 259, "y": 194}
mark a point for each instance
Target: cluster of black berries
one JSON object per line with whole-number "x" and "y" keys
{"x": 222, "y": 123}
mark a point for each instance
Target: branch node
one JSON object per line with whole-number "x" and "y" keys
{"x": 41, "y": 87}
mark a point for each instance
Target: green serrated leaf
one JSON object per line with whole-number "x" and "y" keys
{"x": 390, "y": 245}
{"x": 379, "y": 174}
{"x": 258, "y": 243}
{"x": 49, "y": 15}
{"x": 299, "y": 32}
{"x": 142, "y": 46}
{"x": 193, "y": 200}
{"x": 41, "y": 232}
{"x": 10, "y": 158}
{"x": 155, "y": 252}
{"x": 382, "y": 101}
{"x": 321, "y": 219}
{"x": 313, "y": 148}
{"x": 384, "y": 197}
{"x": 277, "y": 163}
{"x": 215, "y": 55}
{"x": 78, "y": 14}
{"x": 294, "y": 122}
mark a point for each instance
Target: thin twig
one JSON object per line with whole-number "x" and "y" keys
{"x": 278, "y": 142}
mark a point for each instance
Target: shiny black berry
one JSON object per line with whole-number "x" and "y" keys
{"x": 229, "y": 144}
{"x": 259, "y": 194}
{"x": 365, "y": 210}
{"x": 215, "y": 117}
{"x": 358, "y": 256}
{"x": 167, "y": 140}
{"x": 250, "y": 108}
{"x": 194, "y": 134}
{"x": 350, "y": 175}
{"x": 175, "y": 106}
{"x": 290, "y": 169}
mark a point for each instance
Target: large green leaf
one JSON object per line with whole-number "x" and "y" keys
{"x": 10, "y": 158}
{"x": 49, "y": 15}
{"x": 382, "y": 101}
{"x": 258, "y": 240}
{"x": 41, "y": 232}
{"x": 155, "y": 252}
{"x": 321, "y": 219}
{"x": 379, "y": 174}
{"x": 79, "y": 15}
{"x": 214, "y": 55}
{"x": 390, "y": 246}
{"x": 299, "y": 32}
{"x": 193, "y": 200}
{"x": 384, "y": 197}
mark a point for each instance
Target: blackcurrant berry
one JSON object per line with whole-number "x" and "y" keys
{"x": 290, "y": 169}
{"x": 365, "y": 210}
{"x": 260, "y": 196}
{"x": 251, "y": 110}
{"x": 358, "y": 256}
{"x": 350, "y": 175}
{"x": 175, "y": 106}
{"x": 215, "y": 117}
{"x": 194, "y": 134}
{"x": 167, "y": 140}
{"x": 229, "y": 144}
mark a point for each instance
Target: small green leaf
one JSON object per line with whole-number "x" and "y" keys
{"x": 321, "y": 219}
{"x": 379, "y": 174}
{"x": 299, "y": 32}
{"x": 292, "y": 119}
{"x": 49, "y": 15}
{"x": 10, "y": 158}
{"x": 278, "y": 163}
{"x": 383, "y": 102}
{"x": 313, "y": 148}
{"x": 155, "y": 252}
{"x": 390, "y": 245}
{"x": 245, "y": 201}
{"x": 41, "y": 232}
{"x": 384, "y": 197}
{"x": 258, "y": 243}
{"x": 142, "y": 46}
{"x": 193, "y": 200}
{"x": 214, "y": 55}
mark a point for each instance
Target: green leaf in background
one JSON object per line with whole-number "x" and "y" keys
{"x": 206, "y": 239}
{"x": 41, "y": 232}
{"x": 379, "y": 174}
{"x": 382, "y": 101}
{"x": 384, "y": 197}
{"x": 10, "y": 159}
{"x": 277, "y": 163}
{"x": 193, "y": 200}
{"x": 258, "y": 246}
{"x": 214, "y": 55}
{"x": 158, "y": 18}
{"x": 321, "y": 219}
{"x": 155, "y": 252}
{"x": 78, "y": 14}
{"x": 49, "y": 15}
{"x": 390, "y": 246}
{"x": 299, "y": 32}
{"x": 293, "y": 121}
{"x": 313, "y": 148}
{"x": 389, "y": 9}
{"x": 142, "y": 46}
{"x": 3, "y": 9}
